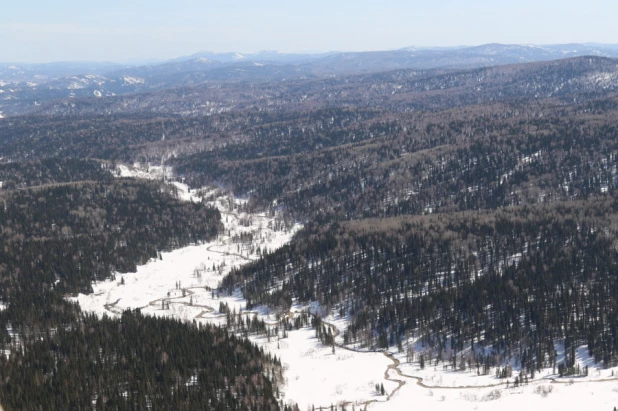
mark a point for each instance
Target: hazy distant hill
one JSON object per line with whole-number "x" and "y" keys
{"x": 400, "y": 90}
{"x": 266, "y": 55}
{"x": 465, "y": 57}
{"x": 24, "y": 72}
{"x": 23, "y": 88}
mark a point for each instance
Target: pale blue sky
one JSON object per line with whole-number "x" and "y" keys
{"x": 45, "y": 30}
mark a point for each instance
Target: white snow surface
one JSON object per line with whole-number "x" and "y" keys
{"x": 145, "y": 171}
{"x": 540, "y": 395}
{"x": 317, "y": 376}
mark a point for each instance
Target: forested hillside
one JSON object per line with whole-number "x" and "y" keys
{"x": 516, "y": 280}
{"x": 480, "y": 158}
{"x": 396, "y": 90}
{"x": 62, "y": 235}
{"x": 70, "y": 235}
{"x": 136, "y": 362}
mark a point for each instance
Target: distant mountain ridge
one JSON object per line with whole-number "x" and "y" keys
{"x": 407, "y": 57}
{"x": 397, "y": 90}
{"x": 25, "y": 87}
{"x": 265, "y": 55}
{"x": 460, "y": 57}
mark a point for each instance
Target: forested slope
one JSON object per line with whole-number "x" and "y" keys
{"x": 60, "y": 237}
{"x": 73, "y": 234}
{"x": 482, "y": 158}
{"x": 516, "y": 280}
{"x": 137, "y": 362}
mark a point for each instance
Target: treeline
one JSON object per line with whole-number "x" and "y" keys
{"x": 519, "y": 280}
{"x": 82, "y": 137}
{"x": 146, "y": 137}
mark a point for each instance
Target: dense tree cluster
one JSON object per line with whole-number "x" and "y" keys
{"x": 135, "y": 362}
{"x": 104, "y": 137}
{"x": 67, "y": 236}
{"x": 493, "y": 157}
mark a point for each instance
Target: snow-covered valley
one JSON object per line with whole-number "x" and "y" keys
{"x": 184, "y": 284}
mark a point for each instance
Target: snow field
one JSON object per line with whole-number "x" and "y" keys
{"x": 539, "y": 395}
{"x": 437, "y": 388}
{"x": 317, "y": 376}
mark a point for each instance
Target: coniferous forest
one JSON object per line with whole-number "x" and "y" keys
{"x": 500, "y": 280}
{"x": 136, "y": 362}
{"x": 60, "y": 237}
{"x": 474, "y": 211}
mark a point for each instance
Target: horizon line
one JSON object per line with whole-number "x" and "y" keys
{"x": 162, "y": 60}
